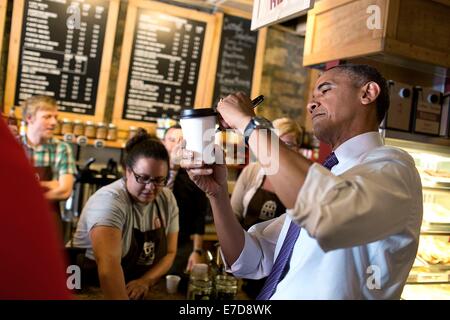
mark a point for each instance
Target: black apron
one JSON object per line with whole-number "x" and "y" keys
{"x": 46, "y": 174}
{"x": 263, "y": 206}
{"x": 146, "y": 249}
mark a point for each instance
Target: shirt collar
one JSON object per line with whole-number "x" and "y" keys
{"x": 39, "y": 147}
{"x": 354, "y": 147}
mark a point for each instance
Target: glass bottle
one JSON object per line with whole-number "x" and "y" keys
{"x": 132, "y": 132}
{"x": 78, "y": 128}
{"x": 200, "y": 284}
{"x": 58, "y": 127}
{"x": 112, "y": 132}
{"x": 225, "y": 287}
{"x": 67, "y": 126}
{"x": 89, "y": 130}
{"x": 102, "y": 131}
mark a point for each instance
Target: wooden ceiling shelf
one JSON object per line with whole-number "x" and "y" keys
{"x": 410, "y": 29}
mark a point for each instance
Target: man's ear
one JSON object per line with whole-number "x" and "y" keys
{"x": 29, "y": 118}
{"x": 369, "y": 92}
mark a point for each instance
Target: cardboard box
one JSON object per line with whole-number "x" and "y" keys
{"x": 445, "y": 116}
{"x": 400, "y": 109}
{"x": 427, "y": 111}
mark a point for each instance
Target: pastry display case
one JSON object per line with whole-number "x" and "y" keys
{"x": 430, "y": 275}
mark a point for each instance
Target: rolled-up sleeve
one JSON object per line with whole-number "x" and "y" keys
{"x": 256, "y": 259}
{"x": 364, "y": 204}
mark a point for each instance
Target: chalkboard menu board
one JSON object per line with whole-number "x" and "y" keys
{"x": 61, "y": 61}
{"x": 236, "y": 57}
{"x": 164, "y": 66}
{"x": 62, "y": 49}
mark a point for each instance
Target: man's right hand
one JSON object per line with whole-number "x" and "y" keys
{"x": 176, "y": 156}
{"x": 211, "y": 179}
{"x": 236, "y": 111}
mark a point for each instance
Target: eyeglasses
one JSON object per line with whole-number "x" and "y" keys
{"x": 157, "y": 182}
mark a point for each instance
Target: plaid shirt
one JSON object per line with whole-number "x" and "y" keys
{"x": 54, "y": 153}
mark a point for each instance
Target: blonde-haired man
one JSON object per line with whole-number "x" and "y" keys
{"x": 52, "y": 159}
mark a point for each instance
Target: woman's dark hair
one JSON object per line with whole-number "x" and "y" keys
{"x": 143, "y": 145}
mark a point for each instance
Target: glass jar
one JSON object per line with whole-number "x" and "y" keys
{"x": 226, "y": 287}
{"x": 112, "y": 132}
{"x": 57, "y": 129}
{"x": 200, "y": 285}
{"x": 132, "y": 132}
{"x": 89, "y": 130}
{"x": 102, "y": 131}
{"x": 67, "y": 126}
{"x": 12, "y": 120}
{"x": 78, "y": 128}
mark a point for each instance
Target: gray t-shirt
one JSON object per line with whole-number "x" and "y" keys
{"x": 112, "y": 206}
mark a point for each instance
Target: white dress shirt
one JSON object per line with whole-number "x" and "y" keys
{"x": 360, "y": 227}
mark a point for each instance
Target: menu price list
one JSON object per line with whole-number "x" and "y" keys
{"x": 61, "y": 51}
{"x": 164, "y": 66}
{"x": 236, "y": 57}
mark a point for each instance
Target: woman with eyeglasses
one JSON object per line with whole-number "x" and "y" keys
{"x": 254, "y": 200}
{"x": 130, "y": 227}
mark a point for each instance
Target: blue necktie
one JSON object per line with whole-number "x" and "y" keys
{"x": 281, "y": 263}
{"x": 330, "y": 161}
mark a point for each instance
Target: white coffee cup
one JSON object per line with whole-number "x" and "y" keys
{"x": 172, "y": 282}
{"x": 199, "y": 128}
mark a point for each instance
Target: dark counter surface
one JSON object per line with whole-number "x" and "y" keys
{"x": 157, "y": 292}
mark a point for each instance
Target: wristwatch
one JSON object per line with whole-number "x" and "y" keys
{"x": 256, "y": 123}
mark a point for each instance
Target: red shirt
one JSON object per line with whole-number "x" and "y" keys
{"x": 31, "y": 252}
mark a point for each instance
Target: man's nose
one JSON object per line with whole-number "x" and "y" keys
{"x": 311, "y": 106}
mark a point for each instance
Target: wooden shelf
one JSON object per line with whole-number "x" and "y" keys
{"x": 417, "y": 141}
{"x": 118, "y": 144}
{"x": 341, "y": 29}
{"x": 431, "y": 232}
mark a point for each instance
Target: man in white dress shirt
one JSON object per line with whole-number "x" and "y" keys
{"x": 358, "y": 223}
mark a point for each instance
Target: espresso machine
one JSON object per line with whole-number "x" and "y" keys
{"x": 87, "y": 182}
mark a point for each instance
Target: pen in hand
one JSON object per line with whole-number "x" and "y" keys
{"x": 255, "y": 102}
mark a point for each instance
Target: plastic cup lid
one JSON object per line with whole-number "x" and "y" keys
{"x": 197, "y": 113}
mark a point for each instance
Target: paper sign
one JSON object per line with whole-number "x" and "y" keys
{"x": 268, "y": 12}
